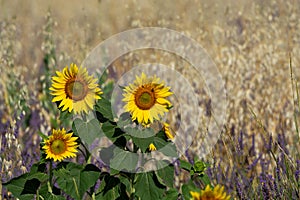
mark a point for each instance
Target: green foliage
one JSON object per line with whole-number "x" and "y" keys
{"x": 46, "y": 192}
{"x": 112, "y": 131}
{"x": 76, "y": 179}
{"x": 88, "y": 131}
{"x": 111, "y": 188}
{"x": 103, "y": 106}
{"x": 165, "y": 173}
{"x": 124, "y": 160}
{"x": 141, "y": 138}
{"x": 187, "y": 188}
{"x": 198, "y": 175}
{"x": 147, "y": 187}
{"x": 165, "y": 147}
{"x": 199, "y": 167}
{"x": 185, "y": 165}
{"x": 171, "y": 194}
{"x": 26, "y": 185}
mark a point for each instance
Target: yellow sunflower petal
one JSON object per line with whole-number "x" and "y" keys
{"x": 152, "y": 147}
{"x": 145, "y": 99}
{"x": 208, "y": 193}
{"x": 60, "y": 145}
{"x": 81, "y": 99}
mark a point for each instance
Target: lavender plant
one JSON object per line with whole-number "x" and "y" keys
{"x": 268, "y": 173}
{"x": 123, "y": 171}
{"x": 253, "y": 163}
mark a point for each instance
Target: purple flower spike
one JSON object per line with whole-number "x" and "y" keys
{"x": 297, "y": 172}
{"x": 239, "y": 190}
{"x": 190, "y": 159}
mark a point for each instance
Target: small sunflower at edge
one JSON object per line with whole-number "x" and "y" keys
{"x": 210, "y": 194}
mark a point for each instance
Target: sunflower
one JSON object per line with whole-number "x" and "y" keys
{"x": 166, "y": 129}
{"x": 60, "y": 145}
{"x": 152, "y": 147}
{"x": 211, "y": 194}
{"x": 74, "y": 89}
{"x": 146, "y": 99}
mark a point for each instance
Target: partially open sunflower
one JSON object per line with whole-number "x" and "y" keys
{"x": 60, "y": 145}
{"x": 146, "y": 99}
{"x": 152, "y": 147}
{"x": 210, "y": 194}
{"x": 75, "y": 90}
{"x": 166, "y": 129}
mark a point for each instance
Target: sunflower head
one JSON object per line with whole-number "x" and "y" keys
{"x": 74, "y": 89}
{"x": 146, "y": 99}
{"x": 210, "y": 194}
{"x": 60, "y": 145}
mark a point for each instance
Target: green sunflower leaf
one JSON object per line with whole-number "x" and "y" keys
{"x": 123, "y": 160}
{"x": 142, "y": 143}
{"x": 124, "y": 120}
{"x": 16, "y": 186}
{"x": 104, "y": 107}
{"x": 24, "y": 186}
{"x": 88, "y": 131}
{"x": 161, "y": 134}
{"x": 106, "y": 154}
{"x": 109, "y": 129}
{"x": 171, "y": 194}
{"x": 108, "y": 188}
{"x": 187, "y": 188}
{"x": 165, "y": 173}
{"x": 111, "y": 188}
{"x": 205, "y": 179}
{"x": 165, "y": 147}
{"x": 146, "y": 186}
{"x": 141, "y": 138}
{"x": 143, "y": 133}
{"x": 107, "y": 89}
{"x": 76, "y": 179}
{"x": 44, "y": 193}
{"x": 185, "y": 165}
{"x": 126, "y": 181}
{"x": 50, "y": 196}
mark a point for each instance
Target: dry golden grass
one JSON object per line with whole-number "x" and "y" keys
{"x": 250, "y": 42}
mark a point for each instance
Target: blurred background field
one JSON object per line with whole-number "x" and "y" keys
{"x": 251, "y": 43}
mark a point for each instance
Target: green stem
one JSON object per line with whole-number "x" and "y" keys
{"x": 76, "y": 188}
{"x": 87, "y": 154}
{"x": 83, "y": 153}
{"x": 135, "y": 148}
{"x": 37, "y": 195}
{"x": 92, "y": 192}
{"x": 50, "y": 174}
{"x": 131, "y": 186}
{"x": 84, "y": 118}
{"x": 94, "y": 196}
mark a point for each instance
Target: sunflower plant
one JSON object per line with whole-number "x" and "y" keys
{"x": 138, "y": 161}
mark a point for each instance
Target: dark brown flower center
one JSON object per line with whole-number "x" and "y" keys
{"x": 145, "y": 97}
{"x": 76, "y": 89}
{"x": 58, "y": 147}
